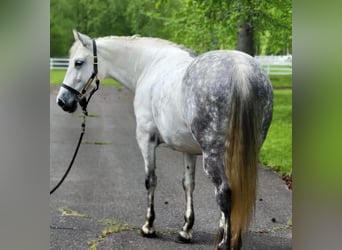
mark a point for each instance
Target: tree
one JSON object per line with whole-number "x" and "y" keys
{"x": 62, "y": 18}
{"x": 254, "y": 26}
{"x": 95, "y": 18}
{"x": 241, "y": 24}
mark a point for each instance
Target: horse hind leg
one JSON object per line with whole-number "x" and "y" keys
{"x": 220, "y": 234}
{"x": 215, "y": 170}
{"x": 185, "y": 235}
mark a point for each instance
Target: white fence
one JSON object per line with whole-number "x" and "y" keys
{"x": 59, "y": 63}
{"x": 274, "y": 65}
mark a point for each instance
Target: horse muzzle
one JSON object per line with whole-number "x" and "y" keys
{"x": 67, "y": 104}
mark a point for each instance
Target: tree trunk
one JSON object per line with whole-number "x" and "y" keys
{"x": 245, "y": 39}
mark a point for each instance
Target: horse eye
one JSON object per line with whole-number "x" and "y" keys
{"x": 78, "y": 63}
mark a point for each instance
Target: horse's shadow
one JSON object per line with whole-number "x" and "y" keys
{"x": 252, "y": 241}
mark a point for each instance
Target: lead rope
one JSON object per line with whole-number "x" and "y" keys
{"x": 76, "y": 151}
{"x": 83, "y": 103}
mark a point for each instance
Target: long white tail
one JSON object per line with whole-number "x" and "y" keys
{"x": 242, "y": 155}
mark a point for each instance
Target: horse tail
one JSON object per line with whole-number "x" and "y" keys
{"x": 241, "y": 153}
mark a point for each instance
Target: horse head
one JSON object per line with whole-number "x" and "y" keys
{"x": 80, "y": 75}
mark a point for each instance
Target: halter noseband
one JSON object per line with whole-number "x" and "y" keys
{"x": 81, "y": 94}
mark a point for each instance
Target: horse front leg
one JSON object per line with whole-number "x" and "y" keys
{"x": 185, "y": 235}
{"x": 148, "y": 143}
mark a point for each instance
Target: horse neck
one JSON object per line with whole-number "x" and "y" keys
{"x": 127, "y": 58}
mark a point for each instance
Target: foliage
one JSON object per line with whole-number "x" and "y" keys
{"x": 93, "y": 17}
{"x": 213, "y": 24}
{"x": 198, "y": 24}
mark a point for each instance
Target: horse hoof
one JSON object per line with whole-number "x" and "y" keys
{"x": 183, "y": 237}
{"x": 219, "y": 236}
{"x": 222, "y": 247}
{"x": 148, "y": 235}
{"x": 148, "y": 231}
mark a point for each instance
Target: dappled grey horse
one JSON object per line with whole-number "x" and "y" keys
{"x": 218, "y": 104}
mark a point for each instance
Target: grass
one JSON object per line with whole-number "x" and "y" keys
{"x": 69, "y": 212}
{"x": 277, "y": 149}
{"x": 112, "y": 226}
{"x": 97, "y": 142}
{"x": 281, "y": 81}
{"x": 89, "y": 115}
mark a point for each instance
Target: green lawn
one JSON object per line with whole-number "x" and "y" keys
{"x": 277, "y": 149}
{"x": 281, "y": 81}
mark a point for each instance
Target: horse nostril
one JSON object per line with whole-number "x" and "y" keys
{"x": 60, "y": 102}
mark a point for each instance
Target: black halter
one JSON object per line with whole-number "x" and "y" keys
{"x": 81, "y": 94}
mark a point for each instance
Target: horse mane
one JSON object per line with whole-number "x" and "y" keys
{"x": 158, "y": 41}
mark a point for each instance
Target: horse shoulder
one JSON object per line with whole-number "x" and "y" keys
{"x": 143, "y": 108}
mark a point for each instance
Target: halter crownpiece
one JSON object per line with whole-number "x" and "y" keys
{"x": 81, "y": 94}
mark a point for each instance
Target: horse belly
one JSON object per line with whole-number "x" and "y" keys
{"x": 180, "y": 140}
{"x": 172, "y": 128}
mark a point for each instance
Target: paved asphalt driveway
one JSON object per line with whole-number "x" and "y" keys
{"x": 102, "y": 203}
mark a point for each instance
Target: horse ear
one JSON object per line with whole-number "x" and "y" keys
{"x": 84, "y": 39}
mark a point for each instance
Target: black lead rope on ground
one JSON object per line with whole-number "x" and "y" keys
{"x": 73, "y": 158}
{"x": 83, "y": 103}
